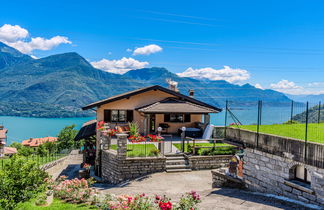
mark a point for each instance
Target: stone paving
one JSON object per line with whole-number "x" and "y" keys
{"x": 175, "y": 184}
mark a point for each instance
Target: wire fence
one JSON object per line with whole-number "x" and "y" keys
{"x": 303, "y": 121}
{"x": 40, "y": 160}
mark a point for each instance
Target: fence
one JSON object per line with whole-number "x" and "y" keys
{"x": 303, "y": 121}
{"x": 39, "y": 159}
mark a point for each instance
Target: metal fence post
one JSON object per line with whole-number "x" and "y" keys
{"x": 291, "y": 111}
{"x": 258, "y": 124}
{"x": 319, "y": 113}
{"x": 226, "y": 108}
{"x": 306, "y": 132}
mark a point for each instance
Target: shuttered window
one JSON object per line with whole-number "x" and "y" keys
{"x": 118, "y": 115}
{"x": 177, "y": 118}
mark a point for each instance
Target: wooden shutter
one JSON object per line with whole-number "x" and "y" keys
{"x": 166, "y": 117}
{"x": 130, "y": 114}
{"x": 107, "y": 115}
{"x": 187, "y": 118}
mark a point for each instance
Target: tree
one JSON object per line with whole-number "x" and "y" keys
{"x": 41, "y": 150}
{"x": 25, "y": 151}
{"x": 21, "y": 180}
{"x": 66, "y": 138}
{"x": 50, "y": 146}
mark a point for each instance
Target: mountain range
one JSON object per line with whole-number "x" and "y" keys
{"x": 59, "y": 85}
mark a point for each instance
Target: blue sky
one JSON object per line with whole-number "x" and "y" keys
{"x": 275, "y": 44}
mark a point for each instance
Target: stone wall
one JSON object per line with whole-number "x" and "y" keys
{"x": 280, "y": 146}
{"x": 208, "y": 162}
{"x": 116, "y": 169}
{"x": 269, "y": 173}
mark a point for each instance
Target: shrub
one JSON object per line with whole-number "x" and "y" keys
{"x": 189, "y": 201}
{"x": 41, "y": 200}
{"x": 154, "y": 152}
{"x": 20, "y": 181}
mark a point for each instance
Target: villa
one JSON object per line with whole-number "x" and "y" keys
{"x": 3, "y": 149}
{"x": 155, "y": 106}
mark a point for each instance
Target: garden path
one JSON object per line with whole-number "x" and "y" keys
{"x": 175, "y": 184}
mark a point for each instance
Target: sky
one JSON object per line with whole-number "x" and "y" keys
{"x": 269, "y": 44}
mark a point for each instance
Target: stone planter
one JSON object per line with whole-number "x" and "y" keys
{"x": 84, "y": 173}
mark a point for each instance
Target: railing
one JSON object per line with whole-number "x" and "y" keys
{"x": 205, "y": 147}
{"x": 38, "y": 159}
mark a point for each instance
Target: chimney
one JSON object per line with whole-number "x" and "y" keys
{"x": 173, "y": 85}
{"x": 191, "y": 93}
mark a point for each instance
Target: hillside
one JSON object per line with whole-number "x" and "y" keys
{"x": 312, "y": 115}
{"x": 309, "y": 98}
{"x": 32, "y": 87}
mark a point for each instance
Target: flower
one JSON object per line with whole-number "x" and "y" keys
{"x": 155, "y": 138}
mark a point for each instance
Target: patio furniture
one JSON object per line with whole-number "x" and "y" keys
{"x": 164, "y": 127}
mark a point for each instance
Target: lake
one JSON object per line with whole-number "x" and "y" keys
{"x": 21, "y": 128}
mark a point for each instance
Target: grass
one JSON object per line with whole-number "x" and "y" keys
{"x": 56, "y": 205}
{"x": 226, "y": 148}
{"x": 297, "y": 131}
{"x": 139, "y": 150}
{"x": 37, "y": 158}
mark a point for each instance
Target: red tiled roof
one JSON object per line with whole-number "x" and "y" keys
{"x": 10, "y": 150}
{"x": 38, "y": 141}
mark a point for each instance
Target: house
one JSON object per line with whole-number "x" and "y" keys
{"x": 3, "y": 149}
{"x": 152, "y": 107}
{"x": 35, "y": 142}
{"x": 3, "y": 138}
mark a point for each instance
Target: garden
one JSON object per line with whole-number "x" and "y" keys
{"x": 293, "y": 130}
{"x": 207, "y": 148}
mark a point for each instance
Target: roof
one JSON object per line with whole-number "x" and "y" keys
{"x": 10, "y": 150}
{"x": 88, "y": 129}
{"x": 146, "y": 89}
{"x": 172, "y": 105}
{"x": 3, "y": 133}
{"x": 38, "y": 141}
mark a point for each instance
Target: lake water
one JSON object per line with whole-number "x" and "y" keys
{"x": 21, "y": 128}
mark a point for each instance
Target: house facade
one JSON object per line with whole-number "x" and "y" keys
{"x": 153, "y": 107}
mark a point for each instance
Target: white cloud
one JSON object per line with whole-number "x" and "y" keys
{"x": 227, "y": 73}
{"x": 259, "y": 86}
{"x": 289, "y": 87}
{"x": 34, "y": 57}
{"x": 128, "y": 50}
{"x": 119, "y": 66}
{"x": 147, "y": 50}
{"x": 16, "y": 37}
{"x": 10, "y": 33}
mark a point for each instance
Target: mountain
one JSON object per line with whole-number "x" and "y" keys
{"x": 59, "y": 85}
{"x": 313, "y": 114}
{"x": 10, "y": 56}
{"x": 214, "y": 92}
{"x": 309, "y": 98}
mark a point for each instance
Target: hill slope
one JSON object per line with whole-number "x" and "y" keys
{"x": 30, "y": 87}
{"x": 313, "y": 113}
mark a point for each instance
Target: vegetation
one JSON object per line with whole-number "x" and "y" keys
{"x": 21, "y": 181}
{"x": 66, "y": 138}
{"x": 35, "y": 109}
{"x": 297, "y": 131}
{"x": 56, "y": 205}
{"x": 139, "y": 150}
{"x": 223, "y": 149}
{"x": 312, "y": 115}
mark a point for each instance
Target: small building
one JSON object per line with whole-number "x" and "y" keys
{"x": 3, "y": 149}
{"x": 35, "y": 142}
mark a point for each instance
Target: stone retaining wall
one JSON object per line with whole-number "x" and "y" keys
{"x": 208, "y": 162}
{"x": 116, "y": 169}
{"x": 268, "y": 173}
{"x": 281, "y": 146}
{"x": 53, "y": 163}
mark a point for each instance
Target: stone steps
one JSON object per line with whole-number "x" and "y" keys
{"x": 176, "y": 163}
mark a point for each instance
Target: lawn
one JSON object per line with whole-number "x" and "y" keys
{"x": 223, "y": 148}
{"x": 56, "y": 205}
{"x": 139, "y": 150}
{"x": 37, "y": 158}
{"x": 297, "y": 131}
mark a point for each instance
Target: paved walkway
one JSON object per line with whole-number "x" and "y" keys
{"x": 175, "y": 184}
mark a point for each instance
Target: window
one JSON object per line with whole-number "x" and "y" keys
{"x": 177, "y": 117}
{"x": 118, "y": 115}
{"x": 301, "y": 174}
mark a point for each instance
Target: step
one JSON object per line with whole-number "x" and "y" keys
{"x": 175, "y": 162}
{"x": 182, "y": 166}
{"x": 175, "y": 158}
{"x": 178, "y": 170}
